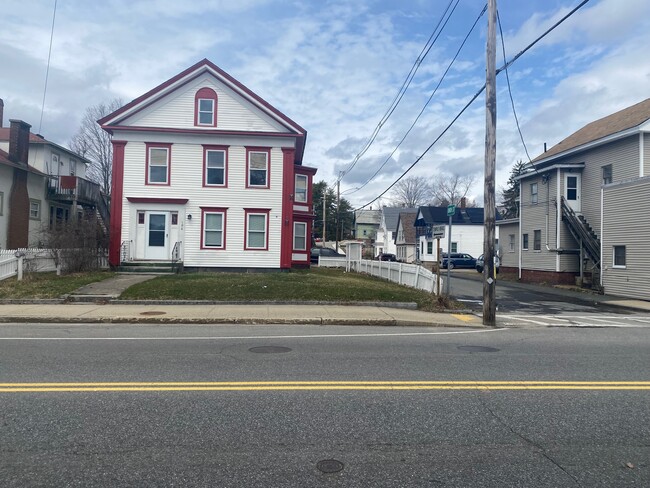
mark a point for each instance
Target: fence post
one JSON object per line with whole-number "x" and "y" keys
{"x": 417, "y": 276}
{"x": 400, "y": 273}
{"x": 20, "y": 267}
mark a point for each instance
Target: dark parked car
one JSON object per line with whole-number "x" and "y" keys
{"x": 387, "y": 257}
{"x": 325, "y": 252}
{"x": 458, "y": 260}
{"x": 480, "y": 263}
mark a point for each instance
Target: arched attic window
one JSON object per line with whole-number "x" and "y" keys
{"x": 205, "y": 107}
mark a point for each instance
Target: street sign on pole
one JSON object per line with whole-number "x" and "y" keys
{"x": 451, "y": 210}
{"x": 438, "y": 232}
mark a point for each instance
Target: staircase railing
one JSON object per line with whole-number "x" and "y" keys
{"x": 125, "y": 251}
{"x": 582, "y": 233}
{"x": 176, "y": 256}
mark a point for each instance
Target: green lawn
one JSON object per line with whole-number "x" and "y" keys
{"x": 319, "y": 284}
{"x": 48, "y": 285}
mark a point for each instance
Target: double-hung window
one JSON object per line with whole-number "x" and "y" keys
{"x": 524, "y": 242}
{"x": 537, "y": 240}
{"x": 607, "y": 174}
{"x": 158, "y": 164}
{"x": 215, "y": 166}
{"x": 257, "y": 229}
{"x": 300, "y": 236}
{"x": 533, "y": 193}
{"x": 511, "y": 242}
{"x": 34, "y": 209}
{"x": 205, "y": 107}
{"x": 258, "y": 168}
{"x": 301, "y": 189}
{"x": 214, "y": 228}
{"x": 619, "y": 257}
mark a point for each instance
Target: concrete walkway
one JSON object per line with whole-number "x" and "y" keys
{"x": 109, "y": 288}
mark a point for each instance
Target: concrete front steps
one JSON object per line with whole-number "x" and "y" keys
{"x": 150, "y": 267}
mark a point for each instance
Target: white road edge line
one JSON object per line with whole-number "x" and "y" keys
{"x": 214, "y": 338}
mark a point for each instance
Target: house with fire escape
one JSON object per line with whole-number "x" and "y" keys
{"x": 584, "y": 206}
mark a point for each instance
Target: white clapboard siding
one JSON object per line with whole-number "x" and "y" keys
{"x": 176, "y": 110}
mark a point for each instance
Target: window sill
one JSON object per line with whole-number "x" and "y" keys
{"x": 619, "y": 267}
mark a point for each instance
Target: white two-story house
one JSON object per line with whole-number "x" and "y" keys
{"x": 208, "y": 173}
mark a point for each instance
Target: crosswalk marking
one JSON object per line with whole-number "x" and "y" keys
{"x": 576, "y": 320}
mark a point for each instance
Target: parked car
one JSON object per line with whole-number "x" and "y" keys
{"x": 387, "y": 257}
{"x": 325, "y": 252}
{"x": 480, "y": 263}
{"x": 457, "y": 260}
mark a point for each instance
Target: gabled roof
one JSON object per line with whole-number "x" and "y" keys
{"x": 4, "y": 159}
{"x": 33, "y": 138}
{"x": 113, "y": 120}
{"x": 616, "y": 123}
{"x": 407, "y": 219}
{"x": 438, "y": 215}
{"x": 39, "y": 139}
{"x": 391, "y": 214}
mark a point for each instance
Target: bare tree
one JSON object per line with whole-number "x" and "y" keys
{"x": 451, "y": 189}
{"x": 94, "y": 143}
{"x": 411, "y": 191}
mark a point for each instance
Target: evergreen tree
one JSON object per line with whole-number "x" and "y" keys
{"x": 510, "y": 195}
{"x": 346, "y": 216}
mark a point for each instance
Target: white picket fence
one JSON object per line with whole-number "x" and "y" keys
{"x": 35, "y": 260}
{"x": 411, "y": 275}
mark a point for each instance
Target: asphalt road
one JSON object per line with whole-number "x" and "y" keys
{"x": 311, "y": 406}
{"x": 467, "y": 286}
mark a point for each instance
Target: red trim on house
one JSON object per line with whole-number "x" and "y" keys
{"x": 178, "y": 201}
{"x": 158, "y": 145}
{"x": 117, "y": 192}
{"x": 293, "y": 239}
{"x": 199, "y": 68}
{"x": 214, "y": 210}
{"x": 256, "y": 211}
{"x": 212, "y": 132}
{"x": 266, "y": 150}
{"x": 206, "y": 148}
{"x": 288, "y": 181}
{"x": 205, "y": 93}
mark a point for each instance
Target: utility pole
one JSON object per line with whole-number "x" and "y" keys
{"x": 489, "y": 281}
{"x": 338, "y": 205}
{"x": 324, "y": 215}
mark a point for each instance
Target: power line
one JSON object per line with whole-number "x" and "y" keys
{"x": 348, "y": 192}
{"x": 405, "y": 85}
{"x": 476, "y": 95}
{"x": 47, "y": 70}
{"x": 512, "y": 101}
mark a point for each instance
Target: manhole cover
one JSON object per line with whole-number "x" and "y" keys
{"x": 478, "y": 349}
{"x": 153, "y": 312}
{"x": 270, "y": 349}
{"x": 329, "y": 466}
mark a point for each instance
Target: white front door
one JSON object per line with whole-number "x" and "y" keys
{"x": 157, "y": 235}
{"x": 572, "y": 191}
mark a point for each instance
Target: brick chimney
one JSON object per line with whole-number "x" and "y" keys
{"x": 19, "y": 141}
{"x": 463, "y": 202}
{"x": 18, "y": 225}
{"x": 2, "y": 112}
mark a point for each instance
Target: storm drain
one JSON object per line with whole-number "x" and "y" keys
{"x": 270, "y": 349}
{"x": 329, "y": 466}
{"x": 478, "y": 349}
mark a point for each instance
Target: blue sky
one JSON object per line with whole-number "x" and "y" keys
{"x": 335, "y": 66}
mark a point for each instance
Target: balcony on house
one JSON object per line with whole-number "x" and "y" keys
{"x": 70, "y": 190}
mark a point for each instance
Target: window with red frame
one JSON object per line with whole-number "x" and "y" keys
{"x": 158, "y": 166}
{"x": 205, "y": 107}
{"x": 214, "y": 229}
{"x": 256, "y": 230}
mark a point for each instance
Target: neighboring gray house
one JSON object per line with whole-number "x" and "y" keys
{"x": 366, "y": 223}
{"x": 385, "y": 241}
{"x": 405, "y": 238}
{"x": 585, "y": 204}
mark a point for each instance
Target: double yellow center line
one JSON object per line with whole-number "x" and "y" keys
{"x": 324, "y": 385}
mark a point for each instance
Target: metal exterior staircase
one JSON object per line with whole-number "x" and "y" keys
{"x": 582, "y": 232}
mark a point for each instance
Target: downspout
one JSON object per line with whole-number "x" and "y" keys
{"x": 558, "y": 220}
{"x": 602, "y": 234}
{"x": 520, "y": 211}
{"x": 641, "y": 159}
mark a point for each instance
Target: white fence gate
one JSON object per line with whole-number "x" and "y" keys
{"x": 405, "y": 274}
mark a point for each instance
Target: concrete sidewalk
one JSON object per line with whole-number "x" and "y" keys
{"x": 231, "y": 314}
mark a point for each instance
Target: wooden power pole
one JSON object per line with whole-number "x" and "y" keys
{"x": 489, "y": 276}
{"x": 338, "y": 215}
{"x": 324, "y": 215}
